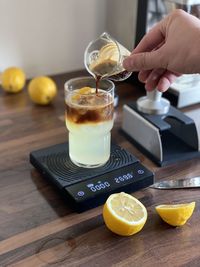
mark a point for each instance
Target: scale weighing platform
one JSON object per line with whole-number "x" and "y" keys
{"x": 85, "y": 188}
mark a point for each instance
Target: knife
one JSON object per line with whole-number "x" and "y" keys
{"x": 178, "y": 184}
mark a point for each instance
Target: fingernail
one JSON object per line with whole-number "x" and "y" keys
{"x": 126, "y": 63}
{"x": 163, "y": 85}
{"x": 142, "y": 80}
{"x": 148, "y": 87}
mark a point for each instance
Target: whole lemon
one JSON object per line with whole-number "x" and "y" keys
{"x": 42, "y": 90}
{"x": 13, "y": 79}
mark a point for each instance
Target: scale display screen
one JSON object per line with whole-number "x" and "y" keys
{"x": 114, "y": 181}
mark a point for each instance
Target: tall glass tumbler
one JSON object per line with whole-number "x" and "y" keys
{"x": 89, "y": 120}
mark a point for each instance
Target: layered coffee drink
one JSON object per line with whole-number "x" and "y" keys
{"x": 89, "y": 119}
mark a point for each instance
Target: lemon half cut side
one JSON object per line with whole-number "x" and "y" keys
{"x": 176, "y": 214}
{"x": 123, "y": 214}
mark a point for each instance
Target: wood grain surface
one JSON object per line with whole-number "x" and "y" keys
{"x": 37, "y": 228}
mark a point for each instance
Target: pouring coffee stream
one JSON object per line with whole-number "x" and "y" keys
{"x": 104, "y": 57}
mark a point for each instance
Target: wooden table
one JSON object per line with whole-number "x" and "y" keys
{"x": 37, "y": 228}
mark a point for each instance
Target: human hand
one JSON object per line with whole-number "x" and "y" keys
{"x": 169, "y": 49}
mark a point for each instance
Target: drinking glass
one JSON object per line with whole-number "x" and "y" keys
{"x": 89, "y": 120}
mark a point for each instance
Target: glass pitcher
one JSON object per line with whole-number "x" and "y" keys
{"x": 103, "y": 58}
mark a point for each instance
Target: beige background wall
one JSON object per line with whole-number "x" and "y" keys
{"x": 49, "y": 36}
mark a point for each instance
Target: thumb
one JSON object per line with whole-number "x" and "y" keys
{"x": 144, "y": 61}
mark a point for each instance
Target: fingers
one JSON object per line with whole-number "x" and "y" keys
{"x": 158, "y": 78}
{"x": 166, "y": 80}
{"x": 153, "y": 79}
{"x": 145, "y": 61}
{"x": 148, "y": 53}
{"x": 143, "y": 75}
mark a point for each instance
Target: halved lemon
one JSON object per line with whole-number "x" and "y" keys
{"x": 123, "y": 214}
{"x": 176, "y": 214}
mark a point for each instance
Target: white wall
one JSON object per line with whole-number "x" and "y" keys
{"x": 50, "y": 36}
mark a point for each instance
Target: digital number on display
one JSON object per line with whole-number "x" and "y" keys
{"x": 125, "y": 177}
{"x": 103, "y": 185}
{"x": 99, "y": 186}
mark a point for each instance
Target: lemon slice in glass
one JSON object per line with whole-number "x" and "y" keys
{"x": 123, "y": 214}
{"x": 176, "y": 214}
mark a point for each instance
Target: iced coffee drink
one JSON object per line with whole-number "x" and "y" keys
{"x": 89, "y": 120}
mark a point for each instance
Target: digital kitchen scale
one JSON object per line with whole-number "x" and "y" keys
{"x": 85, "y": 188}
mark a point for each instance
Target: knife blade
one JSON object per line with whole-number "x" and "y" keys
{"x": 178, "y": 184}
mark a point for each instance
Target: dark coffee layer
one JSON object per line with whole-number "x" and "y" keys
{"x": 89, "y": 115}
